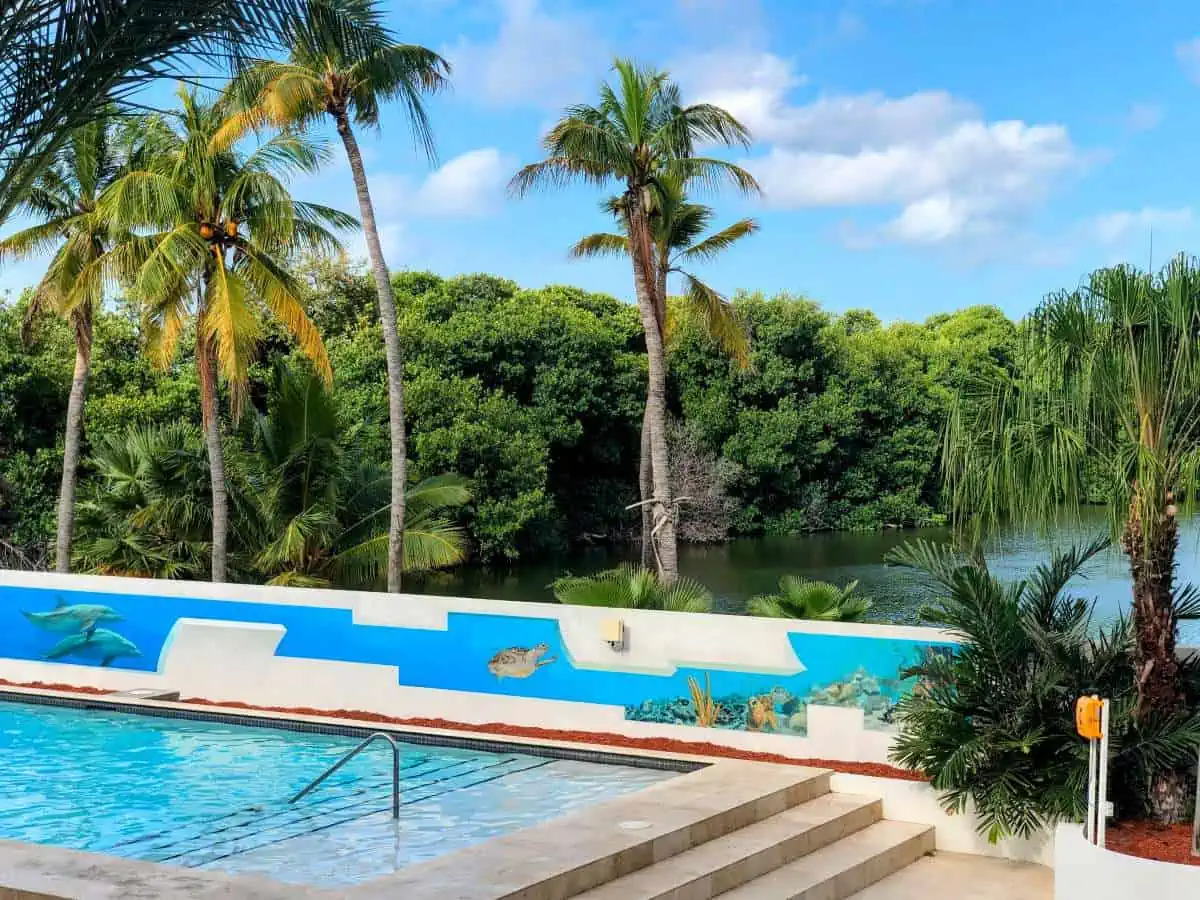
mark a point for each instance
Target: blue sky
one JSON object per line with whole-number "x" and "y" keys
{"x": 916, "y": 155}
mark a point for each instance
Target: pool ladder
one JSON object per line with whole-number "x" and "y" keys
{"x": 377, "y": 736}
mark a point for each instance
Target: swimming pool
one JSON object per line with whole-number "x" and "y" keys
{"x": 208, "y": 794}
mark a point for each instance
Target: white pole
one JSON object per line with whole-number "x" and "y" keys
{"x": 1102, "y": 799}
{"x": 1090, "y": 829}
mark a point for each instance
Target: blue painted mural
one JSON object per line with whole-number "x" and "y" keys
{"x": 481, "y": 653}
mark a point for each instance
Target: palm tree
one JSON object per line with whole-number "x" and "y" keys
{"x": 321, "y": 512}
{"x": 640, "y": 132}
{"x": 223, "y": 226}
{"x": 62, "y": 63}
{"x": 1111, "y": 377}
{"x": 633, "y": 587}
{"x": 800, "y": 598}
{"x": 677, "y": 225}
{"x": 326, "y": 76}
{"x": 65, "y": 198}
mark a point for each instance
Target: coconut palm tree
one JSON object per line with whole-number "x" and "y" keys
{"x": 633, "y": 587}
{"x": 326, "y": 76}
{"x": 1111, "y": 378}
{"x": 321, "y": 512}
{"x": 677, "y": 226}
{"x": 222, "y": 225}
{"x": 802, "y": 598}
{"x": 638, "y": 133}
{"x": 65, "y": 200}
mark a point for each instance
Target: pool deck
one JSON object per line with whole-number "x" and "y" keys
{"x": 619, "y": 848}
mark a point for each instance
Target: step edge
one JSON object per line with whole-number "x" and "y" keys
{"x": 918, "y": 834}
{"x": 800, "y": 844}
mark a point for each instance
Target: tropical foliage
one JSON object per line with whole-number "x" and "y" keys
{"x": 64, "y": 201}
{"x": 633, "y": 587}
{"x": 992, "y": 723}
{"x": 320, "y": 508}
{"x": 1108, "y": 386}
{"x": 331, "y": 71}
{"x": 307, "y": 508}
{"x": 638, "y": 134}
{"x": 803, "y": 598}
{"x": 62, "y": 65}
{"x": 536, "y": 397}
{"x": 216, "y": 228}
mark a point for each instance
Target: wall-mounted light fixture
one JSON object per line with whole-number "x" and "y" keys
{"x": 613, "y": 631}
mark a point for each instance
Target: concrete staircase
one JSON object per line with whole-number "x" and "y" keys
{"x": 826, "y": 848}
{"x": 735, "y": 830}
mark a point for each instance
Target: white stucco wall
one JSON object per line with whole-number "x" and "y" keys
{"x": 1083, "y": 871}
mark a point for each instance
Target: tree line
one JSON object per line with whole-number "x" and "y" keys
{"x": 535, "y": 398}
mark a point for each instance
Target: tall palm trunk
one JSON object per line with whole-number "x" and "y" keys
{"x": 645, "y": 464}
{"x": 1152, "y": 565}
{"x": 206, "y": 370}
{"x": 82, "y": 320}
{"x": 392, "y": 350}
{"x": 641, "y": 252}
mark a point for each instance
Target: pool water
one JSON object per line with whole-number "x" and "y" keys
{"x": 213, "y": 795}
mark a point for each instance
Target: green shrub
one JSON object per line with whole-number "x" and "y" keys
{"x": 993, "y": 723}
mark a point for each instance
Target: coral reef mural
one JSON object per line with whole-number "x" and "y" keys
{"x": 481, "y": 653}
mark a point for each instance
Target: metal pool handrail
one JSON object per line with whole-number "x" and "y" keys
{"x": 379, "y": 735}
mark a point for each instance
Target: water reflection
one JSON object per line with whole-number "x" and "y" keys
{"x": 738, "y": 570}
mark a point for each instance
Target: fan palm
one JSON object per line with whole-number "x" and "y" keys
{"x": 322, "y": 515}
{"x": 800, "y": 598}
{"x": 677, "y": 226}
{"x": 1111, "y": 377}
{"x": 223, "y": 224}
{"x": 150, "y": 515}
{"x": 633, "y": 587}
{"x": 65, "y": 200}
{"x": 638, "y": 133}
{"x": 326, "y": 76}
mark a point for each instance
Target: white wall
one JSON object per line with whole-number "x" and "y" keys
{"x": 1083, "y": 871}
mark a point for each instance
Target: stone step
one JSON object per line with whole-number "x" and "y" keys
{"x": 844, "y": 867}
{"x": 722, "y": 864}
{"x": 593, "y": 846}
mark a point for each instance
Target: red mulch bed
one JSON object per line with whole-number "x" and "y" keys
{"x": 661, "y": 745}
{"x": 1149, "y": 840}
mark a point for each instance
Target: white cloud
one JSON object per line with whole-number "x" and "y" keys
{"x": 1144, "y": 116}
{"x": 1116, "y": 227}
{"x": 536, "y": 59}
{"x": 468, "y": 185}
{"x": 947, "y": 171}
{"x": 471, "y": 184}
{"x": 1188, "y": 54}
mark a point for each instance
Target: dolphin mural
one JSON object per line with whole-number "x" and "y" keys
{"x": 76, "y": 617}
{"x": 97, "y": 643}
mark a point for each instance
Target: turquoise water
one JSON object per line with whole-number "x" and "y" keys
{"x": 212, "y": 795}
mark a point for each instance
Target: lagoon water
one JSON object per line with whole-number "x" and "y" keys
{"x": 738, "y": 570}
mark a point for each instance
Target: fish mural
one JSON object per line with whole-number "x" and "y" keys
{"x": 518, "y": 662}
{"x": 96, "y": 643}
{"x": 72, "y": 618}
{"x": 488, "y": 653}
